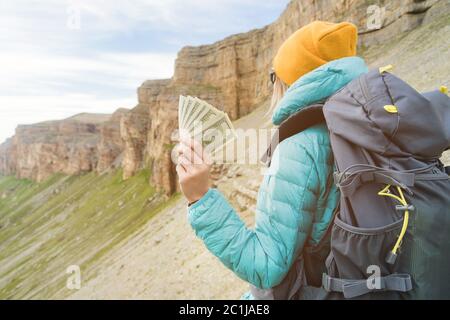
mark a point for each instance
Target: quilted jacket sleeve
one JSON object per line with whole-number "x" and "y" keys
{"x": 262, "y": 256}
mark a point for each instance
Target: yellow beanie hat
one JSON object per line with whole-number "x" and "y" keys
{"x": 312, "y": 46}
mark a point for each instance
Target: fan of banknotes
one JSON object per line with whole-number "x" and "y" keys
{"x": 205, "y": 123}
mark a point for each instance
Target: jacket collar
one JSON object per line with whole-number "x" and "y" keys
{"x": 318, "y": 85}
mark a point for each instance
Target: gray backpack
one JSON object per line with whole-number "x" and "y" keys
{"x": 391, "y": 235}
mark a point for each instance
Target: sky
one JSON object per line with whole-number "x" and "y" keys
{"x": 59, "y": 58}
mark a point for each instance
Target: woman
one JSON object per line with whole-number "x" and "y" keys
{"x": 297, "y": 198}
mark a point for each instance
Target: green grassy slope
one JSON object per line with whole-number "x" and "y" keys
{"x": 44, "y": 228}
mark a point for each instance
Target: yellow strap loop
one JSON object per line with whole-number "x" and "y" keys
{"x": 387, "y": 68}
{"x": 444, "y": 90}
{"x": 391, "y": 108}
{"x": 387, "y": 193}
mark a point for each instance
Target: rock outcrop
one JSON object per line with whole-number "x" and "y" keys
{"x": 133, "y": 131}
{"x": 231, "y": 74}
{"x": 83, "y": 143}
{"x": 111, "y": 144}
{"x": 8, "y": 157}
{"x": 239, "y": 65}
{"x": 160, "y": 99}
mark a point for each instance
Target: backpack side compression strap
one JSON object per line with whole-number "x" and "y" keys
{"x": 356, "y": 288}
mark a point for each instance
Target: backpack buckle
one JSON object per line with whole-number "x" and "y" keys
{"x": 337, "y": 177}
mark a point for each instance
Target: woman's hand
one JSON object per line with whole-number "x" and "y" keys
{"x": 193, "y": 169}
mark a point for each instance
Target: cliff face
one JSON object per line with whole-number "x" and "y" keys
{"x": 111, "y": 144}
{"x": 82, "y": 143}
{"x": 8, "y": 157}
{"x": 240, "y": 64}
{"x": 61, "y": 146}
{"x": 231, "y": 74}
{"x": 133, "y": 130}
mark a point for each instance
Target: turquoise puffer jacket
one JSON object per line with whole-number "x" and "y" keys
{"x": 296, "y": 199}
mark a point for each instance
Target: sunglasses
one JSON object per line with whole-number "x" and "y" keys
{"x": 273, "y": 76}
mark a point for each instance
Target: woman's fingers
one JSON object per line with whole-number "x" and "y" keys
{"x": 192, "y": 170}
{"x": 181, "y": 171}
{"x": 207, "y": 159}
{"x": 194, "y": 151}
{"x": 192, "y": 144}
{"x": 184, "y": 162}
{"x": 190, "y": 154}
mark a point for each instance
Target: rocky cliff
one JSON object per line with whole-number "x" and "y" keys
{"x": 231, "y": 74}
{"x": 111, "y": 143}
{"x": 82, "y": 143}
{"x": 8, "y": 157}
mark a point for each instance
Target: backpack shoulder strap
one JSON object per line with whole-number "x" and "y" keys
{"x": 296, "y": 123}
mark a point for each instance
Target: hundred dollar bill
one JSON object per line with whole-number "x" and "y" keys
{"x": 182, "y": 105}
{"x": 206, "y": 115}
{"x": 205, "y": 123}
{"x": 220, "y": 121}
{"x": 200, "y": 112}
{"x": 216, "y": 133}
{"x": 180, "y": 110}
{"x": 187, "y": 108}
